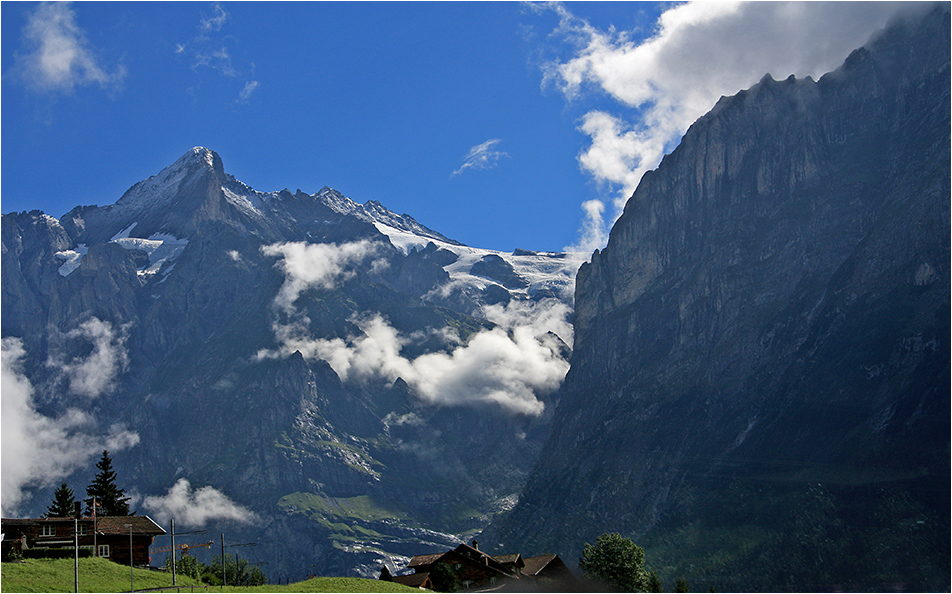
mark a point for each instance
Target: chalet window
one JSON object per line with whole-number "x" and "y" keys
{"x": 103, "y": 551}
{"x": 81, "y": 530}
{"x": 457, "y": 566}
{"x": 47, "y": 530}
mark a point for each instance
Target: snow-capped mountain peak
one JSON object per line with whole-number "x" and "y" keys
{"x": 374, "y": 212}
{"x": 161, "y": 187}
{"x": 199, "y": 154}
{"x": 161, "y": 214}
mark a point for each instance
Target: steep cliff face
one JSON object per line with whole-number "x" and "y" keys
{"x": 770, "y": 317}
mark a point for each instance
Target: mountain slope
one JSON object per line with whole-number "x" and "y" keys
{"x": 360, "y": 384}
{"x": 760, "y": 377}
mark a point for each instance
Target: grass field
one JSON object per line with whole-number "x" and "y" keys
{"x": 101, "y": 575}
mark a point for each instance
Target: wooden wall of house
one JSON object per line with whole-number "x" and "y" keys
{"x": 119, "y": 548}
{"x": 118, "y": 544}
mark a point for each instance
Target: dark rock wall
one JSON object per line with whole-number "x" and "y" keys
{"x": 772, "y": 308}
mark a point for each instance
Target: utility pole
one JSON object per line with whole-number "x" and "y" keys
{"x": 132, "y": 575}
{"x": 173, "y": 534}
{"x": 95, "y": 528}
{"x": 244, "y": 544}
{"x": 77, "y": 506}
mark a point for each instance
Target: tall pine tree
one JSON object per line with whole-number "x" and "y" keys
{"x": 109, "y": 497}
{"x": 63, "y": 503}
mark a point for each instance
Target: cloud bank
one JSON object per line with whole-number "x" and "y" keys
{"x": 196, "y": 507}
{"x": 494, "y": 366}
{"x": 96, "y": 373}
{"x": 482, "y": 156}
{"x": 59, "y": 57}
{"x": 698, "y": 52}
{"x": 316, "y": 265}
{"x": 37, "y": 450}
{"x": 509, "y": 365}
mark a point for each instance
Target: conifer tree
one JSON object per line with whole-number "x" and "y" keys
{"x": 109, "y": 497}
{"x": 64, "y": 502}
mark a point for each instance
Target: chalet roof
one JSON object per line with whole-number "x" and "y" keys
{"x": 120, "y": 525}
{"x": 536, "y": 564}
{"x": 23, "y": 521}
{"x": 418, "y": 560}
{"x": 141, "y": 525}
{"x": 474, "y": 554}
{"x": 414, "y": 580}
{"x": 515, "y": 559}
{"x": 38, "y": 521}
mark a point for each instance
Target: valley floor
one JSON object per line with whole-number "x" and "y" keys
{"x": 101, "y": 575}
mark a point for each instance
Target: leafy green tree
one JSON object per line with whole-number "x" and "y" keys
{"x": 681, "y": 585}
{"x": 654, "y": 582}
{"x": 109, "y": 497}
{"x": 238, "y": 573}
{"x": 443, "y": 578}
{"x": 187, "y": 565}
{"x": 64, "y": 503}
{"x": 616, "y": 561}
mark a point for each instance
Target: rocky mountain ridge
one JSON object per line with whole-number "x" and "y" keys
{"x": 319, "y": 363}
{"x": 760, "y": 376}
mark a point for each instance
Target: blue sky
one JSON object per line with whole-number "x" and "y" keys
{"x": 501, "y": 125}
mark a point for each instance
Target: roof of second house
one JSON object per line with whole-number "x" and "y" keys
{"x": 536, "y": 564}
{"x": 418, "y": 560}
{"x": 141, "y": 525}
{"x": 483, "y": 559}
{"x": 414, "y": 580}
{"x": 515, "y": 559}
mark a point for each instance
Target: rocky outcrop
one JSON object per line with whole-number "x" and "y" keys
{"x": 771, "y": 314}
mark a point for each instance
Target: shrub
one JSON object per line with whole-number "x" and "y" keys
{"x": 57, "y": 553}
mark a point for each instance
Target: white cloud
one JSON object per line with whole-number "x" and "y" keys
{"x": 317, "y": 265}
{"x": 508, "y": 368}
{"x": 210, "y": 48}
{"x": 196, "y": 507}
{"x": 96, "y": 373}
{"x": 59, "y": 56}
{"x": 216, "y": 21}
{"x": 698, "y": 52}
{"x": 245, "y": 93}
{"x": 510, "y": 365}
{"x": 593, "y": 234}
{"x": 217, "y": 59}
{"x": 482, "y": 156}
{"x": 542, "y": 317}
{"x": 37, "y": 450}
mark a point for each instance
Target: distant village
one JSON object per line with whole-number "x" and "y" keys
{"x": 109, "y": 530}
{"x": 468, "y": 569}
{"x": 127, "y": 540}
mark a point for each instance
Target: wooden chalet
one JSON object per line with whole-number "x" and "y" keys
{"x": 473, "y": 568}
{"x": 109, "y": 535}
{"x": 477, "y": 571}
